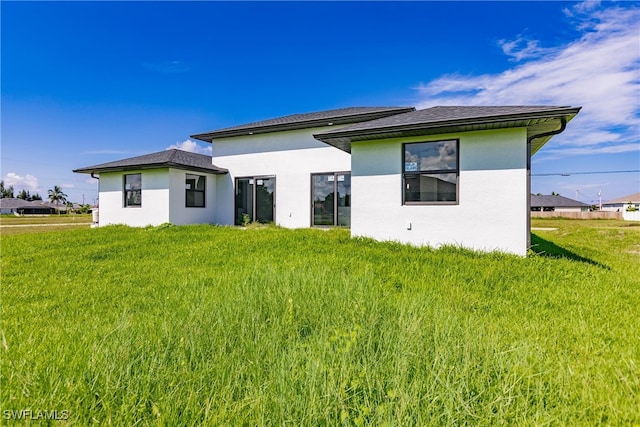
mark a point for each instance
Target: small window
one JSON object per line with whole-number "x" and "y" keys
{"x": 195, "y": 189}
{"x": 430, "y": 172}
{"x": 133, "y": 190}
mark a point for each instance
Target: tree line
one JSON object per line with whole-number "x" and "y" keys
{"x": 8, "y": 192}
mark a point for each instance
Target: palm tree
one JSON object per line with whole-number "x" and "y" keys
{"x": 57, "y": 196}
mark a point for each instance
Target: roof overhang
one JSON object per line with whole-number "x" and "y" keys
{"x": 163, "y": 165}
{"x": 172, "y": 158}
{"x": 536, "y": 123}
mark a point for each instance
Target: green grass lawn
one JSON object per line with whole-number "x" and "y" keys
{"x": 45, "y": 219}
{"x": 11, "y": 224}
{"x": 204, "y": 325}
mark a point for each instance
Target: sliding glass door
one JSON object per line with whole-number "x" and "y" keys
{"x": 331, "y": 198}
{"x": 255, "y": 199}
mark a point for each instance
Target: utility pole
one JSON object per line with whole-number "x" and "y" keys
{"x": 600, "y": 199}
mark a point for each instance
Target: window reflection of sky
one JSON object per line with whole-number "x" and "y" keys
{"x": 431, "y": 156}
{"x": 322, "y": 187}
{"x": 134, "y": 181}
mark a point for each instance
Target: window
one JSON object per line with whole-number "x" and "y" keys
{"x": 255, "y": 199}
{"x": 194, "y": 191}
{"x": 430, "y": 172}
{"x": 133, "y": 190}
{"x": 331, "y": 198}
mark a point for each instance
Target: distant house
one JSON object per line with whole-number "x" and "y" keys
{"x": 628, "y": 205}
{"x": 556, "y": 203}
{"x": 390, "y": 173}
{"x": 622, "y": 203}
{"x": 24, "y": 207}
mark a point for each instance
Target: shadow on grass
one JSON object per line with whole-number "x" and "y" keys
{"x": 549, "y": 249}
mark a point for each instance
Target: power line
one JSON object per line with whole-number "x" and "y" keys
{"x": 581, "y": 173}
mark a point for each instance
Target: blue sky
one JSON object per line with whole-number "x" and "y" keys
{"x": 89, "y": 82}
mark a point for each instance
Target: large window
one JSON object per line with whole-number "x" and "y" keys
{"x": 430, "y": 172}
{"x": 331, "y": 198}
{"x": 133, "y": 190}
{"x": 195, "y": 190}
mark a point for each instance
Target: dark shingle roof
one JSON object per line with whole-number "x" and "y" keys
{"x": 449, "y": 119}
{"x": 15, "y": 203}
{"x": 12, "y": 203}
{"x": 555, "y": 201}
{"x": 307, "y": 120}
{"x": 169, "y": 158}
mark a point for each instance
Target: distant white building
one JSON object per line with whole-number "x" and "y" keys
{"x": 391, "y": 173}
{"x": 628, "y": 205}
{"x": 622, "y": 203}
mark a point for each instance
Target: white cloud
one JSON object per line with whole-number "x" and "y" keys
{"x": 192, "y": 147}
{"x": 521, "y": 48}
{"x": 583, "y": 7}
{"x": 27, "y": 182}
{"x": 598, "y": 71}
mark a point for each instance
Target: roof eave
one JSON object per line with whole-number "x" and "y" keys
{"x": 217, "y": 171}
{"x": 343, "y": 139}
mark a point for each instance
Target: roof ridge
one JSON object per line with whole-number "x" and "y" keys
{"x": 172, "y": 155}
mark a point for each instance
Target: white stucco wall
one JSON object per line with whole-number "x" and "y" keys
{"x": 179, "y": 213}
{"x": 290, "y": 156}
{"x": 491, "y": 213}
{"x": 613, "y": 208}
{"x": 618, "y": 207}
{"x": 163, "y": 199}
{"x": 155, "y": 199}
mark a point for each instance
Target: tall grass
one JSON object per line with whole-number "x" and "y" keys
{"x": 207, "y": 325}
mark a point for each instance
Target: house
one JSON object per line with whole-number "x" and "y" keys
{"x": 556, "y": 203}
{"x": 390, "y": 173}
{"x": 24, "y": 207}
{"x": 621, "y": 204}
{"x": 628, "y": 205}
